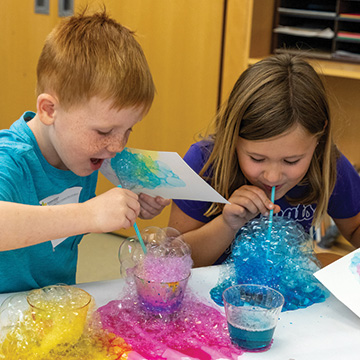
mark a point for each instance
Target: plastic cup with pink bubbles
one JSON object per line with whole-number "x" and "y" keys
{"x": 161, "y": 275}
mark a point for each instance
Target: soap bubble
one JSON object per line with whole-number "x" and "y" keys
{"x": 161, "y": 243}
{"x": 285, "y": 262}
{"x": 130, "y": 253}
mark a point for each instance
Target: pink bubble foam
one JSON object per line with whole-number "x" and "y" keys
{"x": 164, "y": 269}
{"x": 196, "y": 329}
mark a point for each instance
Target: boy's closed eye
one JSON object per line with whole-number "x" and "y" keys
{"x": 104, "y": 132}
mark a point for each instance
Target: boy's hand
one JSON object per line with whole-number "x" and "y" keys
{"x": 245, "y": 204}
{"x": 151, "y": 206}
{"x": 113, "y": 210}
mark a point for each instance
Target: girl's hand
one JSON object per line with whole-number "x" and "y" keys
{"x": 245, "y": 204}
{"x": 151, "y": 206}
{"x": 113, "y": 210}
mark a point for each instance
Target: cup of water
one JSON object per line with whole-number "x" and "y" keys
{"x": 252, "y": 313}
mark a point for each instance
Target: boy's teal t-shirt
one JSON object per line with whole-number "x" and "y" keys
{"x": 27, "y": 178}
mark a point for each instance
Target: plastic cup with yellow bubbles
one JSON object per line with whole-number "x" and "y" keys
{"x": 60, "y": 312}
{"x": 44, "y": 319}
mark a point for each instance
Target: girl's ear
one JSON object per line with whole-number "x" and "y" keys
{"x": 46, "y": 106}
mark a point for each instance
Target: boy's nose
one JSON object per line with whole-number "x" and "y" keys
{"x": 115, "y": 146}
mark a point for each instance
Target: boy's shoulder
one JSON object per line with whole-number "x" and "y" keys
{"x": 18, "y": 132}
{"x": 17, "y": 140}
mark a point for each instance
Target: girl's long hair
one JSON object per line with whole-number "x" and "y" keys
{"x": 268, "y": 99}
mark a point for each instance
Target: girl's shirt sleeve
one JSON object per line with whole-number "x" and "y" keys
{"x": 344, "y": 202}
{"x": 196, "y": 157}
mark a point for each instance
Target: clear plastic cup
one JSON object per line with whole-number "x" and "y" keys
{"x": 160, "y": 297}
{"x": 252, "y": 313}
{"x": 60, "y": 314}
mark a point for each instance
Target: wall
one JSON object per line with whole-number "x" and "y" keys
{"x": 22, "y": 34}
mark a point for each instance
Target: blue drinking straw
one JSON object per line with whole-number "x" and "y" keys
{"x": 138, "y": 233}
{"x": 271, "y": 213}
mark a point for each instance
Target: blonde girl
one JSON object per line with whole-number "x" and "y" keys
{"x": 274, "y": 130}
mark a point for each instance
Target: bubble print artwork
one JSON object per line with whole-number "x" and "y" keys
{"x": 140, "y": 170}
{"x": 286, "y": 262}
{"x": 355, "y": 266}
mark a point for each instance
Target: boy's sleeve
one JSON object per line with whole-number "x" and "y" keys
{"x": 345, "y": 199}
{"x": 11, "y": 187}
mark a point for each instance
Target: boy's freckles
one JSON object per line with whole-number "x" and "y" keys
{"x": 79, "y": 139}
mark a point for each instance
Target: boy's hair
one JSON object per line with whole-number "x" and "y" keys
{"x": 268, "y": 99}
{"x": 93, "y": 55}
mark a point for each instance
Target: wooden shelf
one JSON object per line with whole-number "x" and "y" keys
{"x": 316, "y": 27}
{"x": 329, "y": 68}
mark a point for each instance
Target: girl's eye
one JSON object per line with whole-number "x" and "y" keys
{"x": 256, "y": 160}
{"x": 291, "y": 162}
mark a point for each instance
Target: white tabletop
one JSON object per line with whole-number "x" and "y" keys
{"x": 323, "y": 331}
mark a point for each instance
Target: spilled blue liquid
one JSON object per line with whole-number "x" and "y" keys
{"x": 286, "y": 263}
{"x": 137, "y": 170}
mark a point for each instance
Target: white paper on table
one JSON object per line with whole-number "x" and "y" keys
{"x": 192, "y": 186}
{"x": 343, "y": 281}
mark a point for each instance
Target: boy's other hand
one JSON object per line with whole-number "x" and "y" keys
{"x": 151, "y": 206}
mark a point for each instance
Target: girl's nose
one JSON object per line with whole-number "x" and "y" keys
{"x": 272, "y": 175}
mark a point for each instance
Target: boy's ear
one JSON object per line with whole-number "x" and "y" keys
{"x": 46, "y": 106}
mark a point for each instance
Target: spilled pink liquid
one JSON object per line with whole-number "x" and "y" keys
{"x": 196, "y": 329}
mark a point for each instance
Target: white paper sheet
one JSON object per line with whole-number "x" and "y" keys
{"x": 158, "y": 173}
{"x": 342, "y": 278}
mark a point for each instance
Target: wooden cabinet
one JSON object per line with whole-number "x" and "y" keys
{"x": 22, "y": 34}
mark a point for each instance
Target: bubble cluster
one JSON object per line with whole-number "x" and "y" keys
{"x": 196, "y": 330}
{"x": 158, "y": 315}
{"x": 168, "y": 257}
{"x": 285, "y": 262}
{"x": 56, "y": 322}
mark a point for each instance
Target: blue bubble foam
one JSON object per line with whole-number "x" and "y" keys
{"x": 286, "y": 262}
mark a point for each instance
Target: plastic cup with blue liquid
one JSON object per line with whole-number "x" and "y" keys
{"x": 252, "y": 313}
